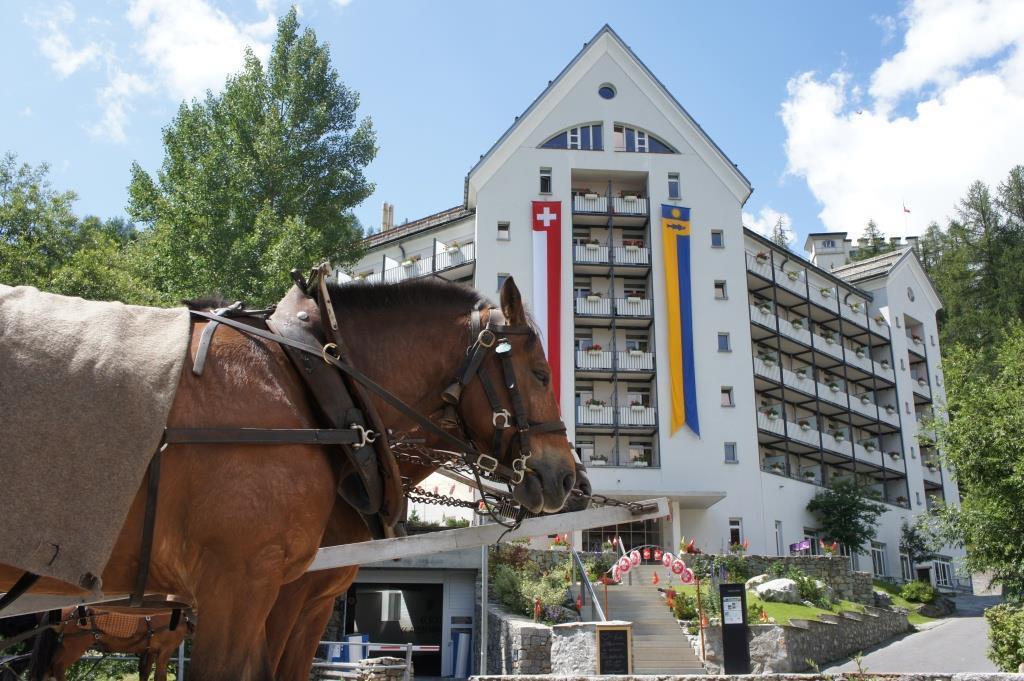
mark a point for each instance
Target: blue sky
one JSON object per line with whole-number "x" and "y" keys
{"x": 835, "y": 111}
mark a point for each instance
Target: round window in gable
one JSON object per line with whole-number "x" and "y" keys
{"x": 607, "y": 91}
{"x": 910, "y": 294}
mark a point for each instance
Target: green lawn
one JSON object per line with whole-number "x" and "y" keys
{"x": 898, "y": 601}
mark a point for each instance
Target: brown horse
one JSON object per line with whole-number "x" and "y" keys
{"x": 235, "y": 522}
{"x": 148, "y": 636}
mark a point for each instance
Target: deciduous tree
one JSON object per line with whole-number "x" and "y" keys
{"x": 847, "y": 513}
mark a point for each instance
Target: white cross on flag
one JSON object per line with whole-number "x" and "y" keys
{"x": 547, "y": 281}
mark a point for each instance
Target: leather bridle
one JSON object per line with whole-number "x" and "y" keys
{"x": 496, "y": 337}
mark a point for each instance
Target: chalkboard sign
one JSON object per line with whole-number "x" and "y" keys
{"x": 614, "y": 652}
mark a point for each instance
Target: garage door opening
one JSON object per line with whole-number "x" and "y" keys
{"x": 400, "y": 613}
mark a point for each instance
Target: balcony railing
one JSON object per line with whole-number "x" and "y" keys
{"x": 590, "y": 254}
{"x": 892, "y": 418}
{"x": 885, "y": 372}
{"x": 594, "y": 360}
{"x": 767, "y": 368}
{"x": 594, "y": 415}
{"x": 859, "y": 317}
{"x": 797, "y": 285}
{"x": 835, "y": 444}
{"x": 833, "y": 348}
{"x": 801, "y": 334}
{"x": 863, "y": 363}
{"x": 804, "y": 383}
{"x": 632, "y": 255}
{"x": 868, "y": 408}
{"x": 759, "y": 266}
{"x": 594, "y": 306}
{"x": 633, "y": 416}
{"x": 633, "y": 307}
{"x": 808, "y": 436}
{"x": 635, "y": 360}
{"x": 762, "y": 314}
{"x": 932, "y": 474}
{"x": 826, "y": 393}
{"x": 620, "y": 205}
{"x": 921, "y": 387}
{"x": 772, "y": 425}
{"x": 424, "y": 264}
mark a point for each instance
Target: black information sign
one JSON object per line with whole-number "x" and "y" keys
{"x": 613, "y": 650}
{"x": 735, "y": 648}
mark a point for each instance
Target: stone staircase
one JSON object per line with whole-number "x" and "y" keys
{"x": 659, "y": 645}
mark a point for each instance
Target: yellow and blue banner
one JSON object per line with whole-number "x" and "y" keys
{"x": 675, "y": 235}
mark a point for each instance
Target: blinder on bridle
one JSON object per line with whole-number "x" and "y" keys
{"x": 495, "y": 338}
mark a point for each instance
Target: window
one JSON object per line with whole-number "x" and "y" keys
{"x": 779, "y": 541}
{"x": 932, "y": 337}
{"x": 607, "y": 91}
{"x": 723, "y": 342}
{"x": 735, "y": 531}
{"x": 917, "y": 495}
{"x": 641, "y": 453}
{"x": 811, "y": 537}
{"x": 906, "y": 574}
{"x": 878, "y": 559}
{"x": 828, "y": 243}
{"x": 584, "y": 339}
{"x": 584, "y": 450}
{"x": 673, "y": 185}
{"x": 583, "y": 137}
{"x": 903, "y": 365}
{"x": 730, "y": 453}
{"x": 504, "y": 231}
{"x": 502, "y": 276}
{"x": 636, "y": 342}
{"x": 717, "y": 238}
{"x": 638, "y": 395}
{"x": 635, "y": 140}
{"x": 720, "y": 293}
{"x": 943, "y": 572}
{"x": 545, "y": 180}
{"x": 727, "y": 400}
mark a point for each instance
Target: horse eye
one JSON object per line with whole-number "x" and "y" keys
{"x": 542, "y": 376}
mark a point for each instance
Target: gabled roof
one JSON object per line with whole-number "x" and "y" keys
{"x": 424, "y": 224}
{"x": 589, "y": 45}
{"x": 877, "y": 266}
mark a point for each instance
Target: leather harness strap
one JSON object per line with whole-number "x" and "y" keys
{"x": 148, "y": 526}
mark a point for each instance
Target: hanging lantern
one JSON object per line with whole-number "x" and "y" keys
{"x": 666, "y": 559}
{"x": 678, "y": 566}
{"x": 647, "y": 554}
{"x": 624, "y": 565}
{"x": 634, "y": 557}
{"x": 657, "y": 554}
{"x": 655, "y": 579}
{"x": 687, "y": 576}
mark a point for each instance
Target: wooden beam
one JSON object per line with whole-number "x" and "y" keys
{"x": 482, "y": 535}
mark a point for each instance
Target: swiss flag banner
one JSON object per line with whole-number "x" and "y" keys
{"x": 547, "y": 282}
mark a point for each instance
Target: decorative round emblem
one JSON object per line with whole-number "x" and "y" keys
{"x": 607, "y": 91}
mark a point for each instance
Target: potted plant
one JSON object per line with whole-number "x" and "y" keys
{"x": 598, "y": 459}
{"x": 932, "y": 466}
{"x": 879, "y": 319}
{"x": 768, "y": 359}
{"x": 801, "y": 373}
{"x": 592, "y": 244}
{"x": 838, "y": 435}
{"x": 636, "y": 405}
{"x": 635, "y": 352}
{"x": 594, "y": 349}
{"x": 805, "y": 425}
{"x": 855, "y": 307}
{"x": 917, "y": 340}
{"x": 764, "y": 308}
{"x": 860, "y": 352}
{"x": 595, "y": 404}
{"x": 590, "y": 195}
{"x": 809, "y": 475}
{"x": 762, "y": 257}
{"x": 792, "y": 275}
{"x": 921, "y": 381}
{"x": 777, "y": 468}
{"x": 629, "y": 197}
{"x": 870, "y": 446}
{"x": 833, "y": 386}
{"x": 633, "y": 245}
{"x": 633, "y": 299}
{"x": 830, "y": 338}
{"x": 902, "y": 500}
{"x": 825, "y": 292}
{"x": 895, "y": 456}
{"x": 865, "y": 399}
{"x": 772, "y": 413}
{"x": 410, "y": 261}
{"x": 885, "y": 364}
{"x": 890, "y": 410}
{"x": 594, "y": 297}
{"x": 797, "y": 324}
{"x": 453, "y": 247}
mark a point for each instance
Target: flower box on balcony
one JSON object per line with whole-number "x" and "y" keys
{"x": 917, "y": 340}
{"x": 641, "y": 463}
{"x": 855, "y": 307}
{"x": 629, "y": 197}
{"x": 885, "y": 364}
{"x": 594, "y": 350}
{"x": 592, "y": 196}
{"x": 410, "y": 261}
{"x": 890, "y": 410}
{"x": 870, "y": 447}
{"x": 830, "y": 340}
{"x": 804, "y": 426}
{"x": 921, "y": 382}
{"x": 633, "y": 300}
{"x": 797, "y": 324}
{"x": 635, "y": 353}
{"x": 594, "y": 298}
{"x": 777, "y": 468}
{"x": 825, "y": 292}
{"x": 834, "y": 387}
{"x": 838, "y": 436}
{"x": 772, "y": 414}
{"x": 879, "y": 319}
{"x": 595, "y": 405}
{"x": 809, "y": 475}
{"x": 598, "y": 461}
{"x": 860, "y": 353}
{"x": 932, "y": 467}
{"x": 864, "y": 399}
{"x": 764, "y": 309}
{"x": 895, "y": 456}
{"x": 792, "y": 275}
{"x": 801, "y": 374}
{"x": 636, "y": 406}
{"x": 902, "y": 501}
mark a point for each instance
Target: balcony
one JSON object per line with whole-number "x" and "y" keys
{"x": 803, "y": 382}
{"x": 931, "y": 472}
{"x": 769, "y": 424}
{"x": 593, "y": 360}
{"x": 836, "y": 443}
{"x": 759, "y": 266}
{"x": 868, "y": 453}
{"x": 832, "y": 347}
{"x": 835, "y": 396}
{"x": 632, "y": 255}
{"x": 595, "y": 415}
{"x": 797, "y": 331}
{"x": 879, "y": 326}
{"x": 635, "y": 360}
{"x": 884, "y": 370}
{"x": 825, "y": 296}
{"x": 916, "y": 344}
{"x": 859, "y": 359}
{"x": 857, "y": 316}
{"x": 593, "y": 203}
{"x": 590, "y": 254}
{"x": 639, "y": 308}
{"x": 792, "y": 281}
{"x": 888, "y": 414}
{"x": 921, "y": 387}
{"x": 447, "y": 263}
{"x": 636, "y": 416}
{"x": 593, "y": 306}
{"x": 868, "y": 408}
{"x": 807, "y": 435}
{"x": 767, "y": 368}
{"x": 763, "y": 315}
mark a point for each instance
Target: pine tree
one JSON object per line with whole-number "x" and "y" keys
{"x": 780, "y": 234}
{"x": 872, "y": 242}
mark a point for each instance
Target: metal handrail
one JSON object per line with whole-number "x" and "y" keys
{"x": 595, "y": 604}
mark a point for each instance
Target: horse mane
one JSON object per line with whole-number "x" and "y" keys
{"x": 421, "y": 292}
{"x": 213, "y": 301}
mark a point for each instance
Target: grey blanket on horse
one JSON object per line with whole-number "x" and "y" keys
{"x": 85, "y": 389}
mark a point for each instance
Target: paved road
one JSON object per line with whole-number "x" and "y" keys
{"x": 957, "y": 644}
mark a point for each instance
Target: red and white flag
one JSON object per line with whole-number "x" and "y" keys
{"x": 547, "y": 281}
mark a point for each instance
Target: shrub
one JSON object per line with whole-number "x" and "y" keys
{"x": 685, "y": 606}
{"x": 754, "y": 612}
{"x": 505, "y": 582}
{"x": 809, "y": 589}
{"x": 551, "y": 588}
{"x": 918, "y": 592}
{"x": 1006, "y": 636}
{"x": 776, "y": 569}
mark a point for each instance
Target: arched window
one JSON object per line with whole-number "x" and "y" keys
{"x": 585, "y": 137}
{"x": 641, "y": 141}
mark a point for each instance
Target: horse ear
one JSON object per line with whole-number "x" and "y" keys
{"x": 512, "y": 303}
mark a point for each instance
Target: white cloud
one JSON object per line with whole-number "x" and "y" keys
{"x": 766, "y": 219}
{"x": 962, "y": 68}
{"x": 115, "y": 100}
{"x": 192, "y": 45}
{"x": 54, "y": 42}
{"x": 342, "y": 3}
{"x": 26, "y": 112}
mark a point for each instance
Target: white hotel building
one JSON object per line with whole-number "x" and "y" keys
{"x": 808, "y": 370}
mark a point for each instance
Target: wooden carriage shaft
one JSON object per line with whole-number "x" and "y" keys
{"x": 377, "y": 550}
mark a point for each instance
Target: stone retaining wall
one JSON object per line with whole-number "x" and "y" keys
{"x": 516, "y": 645}
{"x": 787, "y": 648}
{"x": 845, "y": 676}
{"x": 834, "y": 571}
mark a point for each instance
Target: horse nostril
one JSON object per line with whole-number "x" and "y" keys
{"x": 568, "y": 482}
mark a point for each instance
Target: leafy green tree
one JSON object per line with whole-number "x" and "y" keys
{"x": 259, "y": 178}
{"x": 918, "y": 541}
{"x": 847, "y": 513}
{"x": 982, "y": 442}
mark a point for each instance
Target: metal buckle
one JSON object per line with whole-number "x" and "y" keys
{"x": 504, "y": 415}
{"x": 487, "y": 463}
{"x": 504, "y": 347}
{"x": 327, "y": 350}
{"x": 488, "y": 335}
{"x": 366, "y": 436}
{"x": 519, "y": 470}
